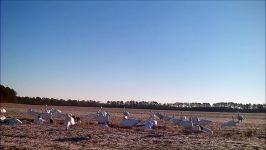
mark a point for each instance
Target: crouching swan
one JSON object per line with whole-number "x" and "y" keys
{"x": 12, "y": 121}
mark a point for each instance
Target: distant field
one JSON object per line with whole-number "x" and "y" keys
{"x": 247, "y": 135}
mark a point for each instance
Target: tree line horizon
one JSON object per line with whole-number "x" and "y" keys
{"x": 9, "y": 95}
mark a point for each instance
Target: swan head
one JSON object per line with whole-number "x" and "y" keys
{"x": 69, "y": 114}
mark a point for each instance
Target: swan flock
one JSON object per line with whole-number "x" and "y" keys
{"x": 190, "y": 123}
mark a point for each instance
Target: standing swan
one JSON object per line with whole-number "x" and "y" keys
{"x": 69, "y": 120}
{"x": 102, "y": 118}
{"x": 240, "y": 117}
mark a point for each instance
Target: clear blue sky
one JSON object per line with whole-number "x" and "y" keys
{"x": 173, "y": 51}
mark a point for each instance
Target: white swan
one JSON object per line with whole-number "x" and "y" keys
{"x": 230, "y": 123}
{"x": 102, "y": 118}
{"x": 30, "y": 111}
{"x": 159, "y": 115}
{"x": 2, "y": 118}
{"x": 162, "y": 116}
{"x": 46, "y": 109}
{"x": 2, "y": 110}
{"x": 69, "y": 120}
{"x": 197, "y": 121}
{"x": 125, "y": 113}
{"x": 12, "y": 121}
{"x": 207, "y": 130}
{"x": 46, "y": 115}
{"x": 175, "y": 121}
{"x": 38, "y": 120}
{"x": 240, "y": 117}
{"x": 56, "y": 113}
{"x": 182, "y": 120}
{"x": 186, "y": 124}
{"x": 182, "y": 117}
{"x": 128, "y": 122}
{"x": 203, "y": 122}
{"x": 77, "y": 119}
{"x": 194, "y": 119}
{"x": 198, "y": 128}
{"x": 150, "y": 123}
{"x": 195, "y": 127}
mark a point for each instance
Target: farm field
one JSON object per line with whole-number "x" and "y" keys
{"x": 250, "y": 134}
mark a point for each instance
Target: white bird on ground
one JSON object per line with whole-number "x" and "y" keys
{"x": 128, "y": 122}
{"x": 2, "y": 118}
{"x": 203, "y": 122}
{"x": 192, "y": 124}
{"x": 206, "y": 130}
{"x": 69, "y": 120}
{"x": 240, "y": 117}
{"x": 159, "y": 115}
{"x": 175, "y": 121}
{"x": 56, "y": 113}
{"x": 150, "y": 123}
{"x": 189, "y": 125}
{"x": 197, "y": 121}
{"x": 12, "y": 121}
{"x": 194, "y": 119}
{"x": 102, "y": 118}
{"x": 183, "y": 121}
{"x": 77, "y": 119}
{"x": 178, "y": 121}
{"x": 198, "y": 128}
{"x": 38, "y": 120}
{"x": 45, "y": 115}
{"x": 186, "y": 124}
{"x": 125, "y": 113}
{"x": 162, "y": 116}
{"x": 230, "y": 123}
{"x": 182, "y": 117}
{"x": 46, "y": 109}
{"x": 2, "y": 110}
{"x": 32, "y": 112}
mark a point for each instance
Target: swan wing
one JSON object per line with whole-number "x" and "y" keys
{"x": 208, "y": 131}
{"x": 129, "y": 122}
{"x": 204, "y": 122}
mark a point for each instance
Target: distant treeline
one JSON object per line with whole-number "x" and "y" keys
{"x": 8, "y": 95}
